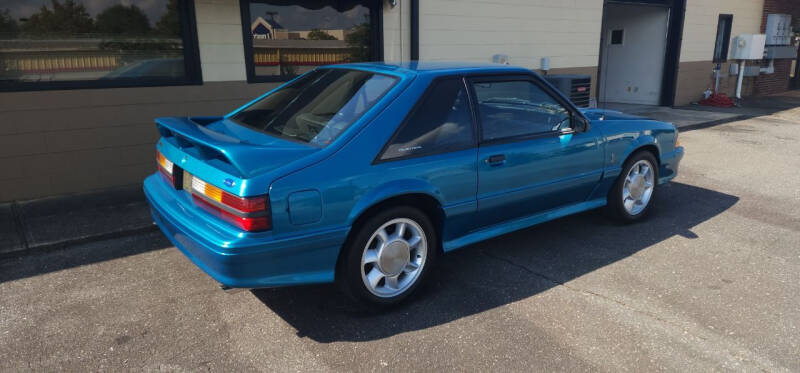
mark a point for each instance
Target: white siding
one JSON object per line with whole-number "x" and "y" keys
{"x": 397, "y": 32}
{"x": 700, "y": 25}
{"x": 219, "y": 33}
{"x": 567, "y": 31}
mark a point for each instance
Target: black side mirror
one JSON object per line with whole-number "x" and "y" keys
{"x": 580, "y": 124}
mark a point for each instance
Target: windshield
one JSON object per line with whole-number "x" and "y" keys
{"x": 318, "y": 106}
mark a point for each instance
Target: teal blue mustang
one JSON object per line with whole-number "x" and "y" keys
{"x": 365, "y": 174}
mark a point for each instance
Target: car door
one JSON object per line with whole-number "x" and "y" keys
{"x": 536, "y": 151}
{"x": 437, "y": 145}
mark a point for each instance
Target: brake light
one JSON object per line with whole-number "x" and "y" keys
{"x": 164, "y": 166}
{"x": 250, "y": 214}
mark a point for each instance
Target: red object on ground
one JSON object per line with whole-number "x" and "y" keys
{"x": 718, "y": 100}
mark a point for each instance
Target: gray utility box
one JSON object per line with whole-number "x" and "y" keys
{"x": 577, "y": 87}
{"x": 775, "y": 52}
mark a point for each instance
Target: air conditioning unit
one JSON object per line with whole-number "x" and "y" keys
{"x": 577, "y": 87}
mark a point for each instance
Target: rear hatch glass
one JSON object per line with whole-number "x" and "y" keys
{"x": 318, "y": 106}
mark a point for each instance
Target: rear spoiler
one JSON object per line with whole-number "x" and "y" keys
{"x": 191, "y": 132}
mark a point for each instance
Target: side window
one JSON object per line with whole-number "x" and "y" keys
{"x": 442, "y": 122}
{"x": 518, "y": 108}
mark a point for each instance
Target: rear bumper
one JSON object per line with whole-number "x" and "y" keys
{"x": 669, "y": 165}
{"x": 238, "y": 259}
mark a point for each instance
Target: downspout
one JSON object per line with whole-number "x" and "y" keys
{"x": 414, "y": 30}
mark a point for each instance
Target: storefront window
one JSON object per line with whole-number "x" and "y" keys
{"x": 80, "y": 43}
{"x": 286, "y": 38}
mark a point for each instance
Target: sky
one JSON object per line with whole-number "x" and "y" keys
{"x": 297, "y": 18}
{"x": 24, "y": 8}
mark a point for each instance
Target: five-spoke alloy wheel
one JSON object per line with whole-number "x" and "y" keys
{"x": 630, "y": 197}
{"x": 388, "y": 256}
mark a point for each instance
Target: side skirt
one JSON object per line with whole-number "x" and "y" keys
{"x": 521, "y": 223}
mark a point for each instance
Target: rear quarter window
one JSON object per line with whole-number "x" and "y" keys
{"x": 441, "y": 122}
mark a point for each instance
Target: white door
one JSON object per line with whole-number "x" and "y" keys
{"x": 635, "y": 41}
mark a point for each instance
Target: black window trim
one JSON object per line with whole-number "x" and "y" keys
{"x": 574, "y": 113}
{"x": 428, "y": 91}
{"x": 191, "y": 60}
{"x": 726, "y": 39}
{"x": 376, "y": 41}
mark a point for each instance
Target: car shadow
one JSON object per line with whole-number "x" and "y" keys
{"x": 501, "y": 270}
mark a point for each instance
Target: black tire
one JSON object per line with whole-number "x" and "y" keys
{"x": 349, "y": 275}
{"x": 615, "y": 204}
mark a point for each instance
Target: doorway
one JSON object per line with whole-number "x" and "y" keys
{"x": 633, "y": 53}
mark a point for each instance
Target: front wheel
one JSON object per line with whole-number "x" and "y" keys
{"x": 633, "y": 191}
{"x": 389, "y": 256}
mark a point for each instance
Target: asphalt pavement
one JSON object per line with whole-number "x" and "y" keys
{"x": 709, "y": 281}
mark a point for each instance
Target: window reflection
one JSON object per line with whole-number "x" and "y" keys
{"x": 73, "y": 40}
{"x": 293, "y": 37}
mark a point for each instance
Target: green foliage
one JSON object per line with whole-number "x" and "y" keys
{"x": 67, "y": 18}
{"x": 170, "y": 22}
{"x": 8, "y": 26}
{"x": 358, "y": 41}
{"x": 122, "y": 20}
{"x": 317, "y": 34}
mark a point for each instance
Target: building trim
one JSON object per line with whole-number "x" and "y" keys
{"x": 414, "y": 30}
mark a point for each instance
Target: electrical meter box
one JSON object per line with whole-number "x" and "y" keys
{"x": 779, "y": 29}
{"x": 748, "y": 47}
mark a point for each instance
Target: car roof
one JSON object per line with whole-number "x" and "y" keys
{"x": 433, "y": 67}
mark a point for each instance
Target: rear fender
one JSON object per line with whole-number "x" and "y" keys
{"x": 389, "y": 190}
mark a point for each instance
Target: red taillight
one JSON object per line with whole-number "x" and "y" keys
{"x": 250, "y": 214}
{"x": 248, "y": 223}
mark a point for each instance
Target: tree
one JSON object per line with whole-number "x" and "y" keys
{"x": 69, "y": 18}
{"x": 358, "y": 40}
{"x": 8, "y": 26}
{"x": 123, "y": 20}
{"x": 317, "y": 34}
{"x": 170, "y": 22}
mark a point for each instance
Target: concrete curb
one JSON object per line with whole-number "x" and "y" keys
{"x": 712, "y": 123}
{"x": 57, "y": 222}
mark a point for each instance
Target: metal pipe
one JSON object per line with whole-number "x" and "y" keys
{"x": 739, "y": 81}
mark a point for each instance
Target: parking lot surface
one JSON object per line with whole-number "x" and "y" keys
{"x": 709, "y": 281}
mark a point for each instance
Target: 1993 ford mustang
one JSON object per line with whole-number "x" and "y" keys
{"x": 364, "y": 174}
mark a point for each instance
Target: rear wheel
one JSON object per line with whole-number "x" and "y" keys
{"x": 389, "y": 256}
{"x": 629, "y": 199}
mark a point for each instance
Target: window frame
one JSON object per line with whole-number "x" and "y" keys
{"x": 420, "y": 101}
{"x": 574, "y": 113}
{"x": 191, "y": 61}
{"x": 726, "y": 41}
{"x": 376, "y": 41}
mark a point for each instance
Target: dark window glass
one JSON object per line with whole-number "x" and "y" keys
{"x": 291, "y": 37}
{"x": 442, "y": 122}
{"x": 617, "y": 37}
{"x": 100, "y": 40}
{"x": 722, "y": 41}
{"x": 318, "y": 106}
{"x": 518, "y": 108}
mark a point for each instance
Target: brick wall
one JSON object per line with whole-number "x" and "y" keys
{"x": 779, "y": 81}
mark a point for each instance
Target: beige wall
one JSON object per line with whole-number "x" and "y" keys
{"x": 700, "y": 24}
{"x": 57, "y": 142}
{"x": 219, "y": 33}
{"x": 526, "y": 30}
{"x": 699, "y": 33}
{"x": 397, "y": 32}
